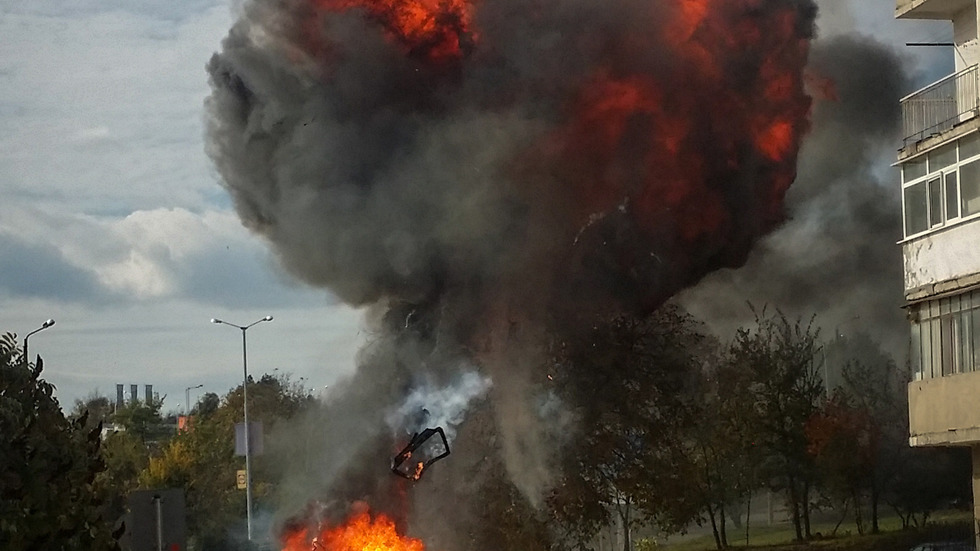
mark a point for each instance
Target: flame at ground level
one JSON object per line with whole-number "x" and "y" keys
{"x": 359, "y": 533}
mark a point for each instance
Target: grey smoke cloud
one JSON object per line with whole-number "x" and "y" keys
{"x": 438, "y": 406}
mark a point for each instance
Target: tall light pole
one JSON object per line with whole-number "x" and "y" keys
{"x": 187, "y": 398}
{"x": 248, "y": 450}
{"x": 44, "y": 326}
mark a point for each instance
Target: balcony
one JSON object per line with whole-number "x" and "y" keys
{"x": 940, "y": 106}
{"x": 943, "y": 411}
{"x": 930, "y": 9}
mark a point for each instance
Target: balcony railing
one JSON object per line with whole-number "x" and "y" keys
{"x": 940, "y": 106}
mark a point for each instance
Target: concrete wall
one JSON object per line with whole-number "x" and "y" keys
{"x": 963, "y": 15}
{"x": 965, "y": 37}
{"x": 944, "y": 256}
{"x": 945, "y": 410}
{"x": 930, "y": 9}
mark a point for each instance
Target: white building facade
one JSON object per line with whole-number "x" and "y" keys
{"x": 940, "y": 166}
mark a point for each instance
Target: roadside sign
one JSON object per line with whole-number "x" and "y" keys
{"x": 157, "y": 520}
{"x": 254, "y": 438}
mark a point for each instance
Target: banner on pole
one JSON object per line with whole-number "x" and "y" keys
{"x": 254, "y": 438}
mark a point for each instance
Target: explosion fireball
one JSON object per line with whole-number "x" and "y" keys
{"x": 487, "y": 172}
{"x": 436, "y": 30}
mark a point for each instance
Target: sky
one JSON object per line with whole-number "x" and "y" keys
{"x": 113, "y": 221}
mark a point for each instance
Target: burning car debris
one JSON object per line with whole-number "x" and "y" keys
{"x": 425, "y": 448}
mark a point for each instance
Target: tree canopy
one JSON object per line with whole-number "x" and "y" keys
{"x": 628, "y": 382}
{"x": 48, "y": 465}
{"x": 665, "y": 426}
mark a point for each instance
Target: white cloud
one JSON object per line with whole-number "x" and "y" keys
{"x": 94, "y": 133}
{"x": 153, "y": 244}
{"x": 158, "y": 254}
{"x": 135, "y": 82}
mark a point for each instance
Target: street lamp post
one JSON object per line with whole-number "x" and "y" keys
{"x": 44, "y": 326}
{"x": 248, "y": 461}
{"x": 187, "y": 398}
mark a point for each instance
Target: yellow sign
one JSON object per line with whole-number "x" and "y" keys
{"x": 242, "y": 480}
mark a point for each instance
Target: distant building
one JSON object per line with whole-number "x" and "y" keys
{"x": 109, "y": 428}
{"x": 940, "y": 165}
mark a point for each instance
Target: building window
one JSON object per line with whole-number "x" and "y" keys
{"x": 946, "y": 336}
{"x": 914, "y": 169}
{"x": 970, "y": 188}
{"x": 942, "y": 157}
{"x": 916, "y": 212}
{"x": 952, "y": 197}
{"x": 942, "y": 186}
{"x": 936, "y": 203}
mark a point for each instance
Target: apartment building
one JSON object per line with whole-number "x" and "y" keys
{"x": 940, "y": 175}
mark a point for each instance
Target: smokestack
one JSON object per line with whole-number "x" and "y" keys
{"x": 119, "y": 395}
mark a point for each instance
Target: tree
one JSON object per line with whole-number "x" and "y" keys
{"x": 628, "y": 382}
{"x": 508, "y": 521}
{"x": 207, "y": 405}
{"x": 928, "y": 479}
{"x": 203, "y": 463}
{"x": 724, "y": 441}
{"x": 874, "y": 386}
{"x": 124, "y": 452}
{"x": 780, "y": 358}
{"x": 142, "y": 419}
{"x": 202, "y": 460}
{"x": 843, "y": 440}
{"x": 125, "y": 457}
{"x": 48, "y": 465}
{"x": 96, "y": 407}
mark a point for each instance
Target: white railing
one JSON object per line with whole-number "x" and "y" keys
{"x": 941, "y": 105}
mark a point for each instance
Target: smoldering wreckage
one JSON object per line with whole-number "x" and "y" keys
{"x": 480, "y": 174}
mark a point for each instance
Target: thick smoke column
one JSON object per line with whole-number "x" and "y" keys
{"x": 837, "y": 256}
{"x": 484, "y": 173}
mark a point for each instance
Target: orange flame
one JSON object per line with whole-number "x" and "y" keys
{"x": 438, "y": 30}
{"x": 645, "y": 136}
{"x": 359, "y": 533}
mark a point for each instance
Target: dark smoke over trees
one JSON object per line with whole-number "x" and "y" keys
{"x": 633, "y": 381}
{"x": 724, "y": 443}
{"x": 837, "y": 254}
{"x": 780, "y": 356}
